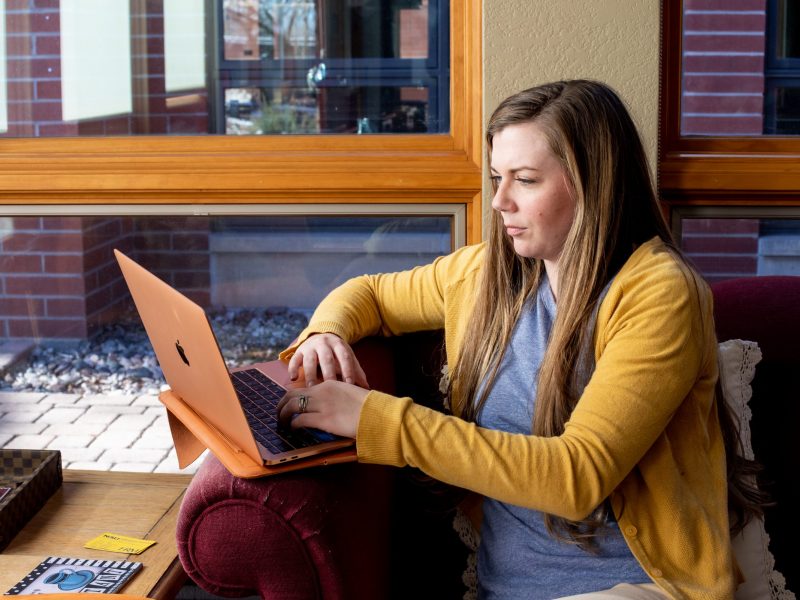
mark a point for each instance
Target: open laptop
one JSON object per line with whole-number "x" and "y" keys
{"x": 239, "y": 404}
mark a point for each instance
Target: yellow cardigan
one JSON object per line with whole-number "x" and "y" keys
{"x": 644, "y": 432}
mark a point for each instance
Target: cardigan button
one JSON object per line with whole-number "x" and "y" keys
{"x": 631, "y": 531}
{"x": 657, "y": 573}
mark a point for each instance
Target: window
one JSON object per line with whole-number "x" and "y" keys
{"x": 439, "y": 165}
{"x": 59, "y": 278}
{"x": 728, "y": 156}
{"x": 726, "y": 242}
{"x": 334, "y": 67}
{"x": 402, "y": 198}
{"x": 782, "y": 73}
{"x": 3, "y": 100}
{"x": 236, "y": 67}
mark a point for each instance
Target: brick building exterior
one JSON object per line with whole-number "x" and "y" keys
{"x": 33, "y": 48}
{"x": 58, "y": 278}
{"x": 724, "y": 45}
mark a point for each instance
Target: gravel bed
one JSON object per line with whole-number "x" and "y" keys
{"x": 119, "y": 357}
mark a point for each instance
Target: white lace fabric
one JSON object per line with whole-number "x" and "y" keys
{"x": 737, "y": 367}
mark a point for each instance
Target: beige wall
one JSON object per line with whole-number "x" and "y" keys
{"x": 528, "y": 42}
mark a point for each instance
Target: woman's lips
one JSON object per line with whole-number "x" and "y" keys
{"x": 512, "y": 231}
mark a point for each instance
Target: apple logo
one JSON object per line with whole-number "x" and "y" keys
{"x": 181, "y": 352}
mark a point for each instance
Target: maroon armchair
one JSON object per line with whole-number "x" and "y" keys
{"x": 360, "y": 531}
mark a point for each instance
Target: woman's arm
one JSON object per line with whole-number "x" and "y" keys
{"x": 653, "y": 360}
{"x": 385, "y": 304}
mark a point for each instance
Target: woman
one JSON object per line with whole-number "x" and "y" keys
{"x": 583, "y": 367}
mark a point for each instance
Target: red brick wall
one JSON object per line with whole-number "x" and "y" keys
{"x": 42, "y": 288}
{"x": 34, "y": 80}
{"x": 34, "y": 69}
{"x": 176, "y": 249}
{"x": 414, "y": 31}
{"x": 59, "y": 277}
{"x": 723, "y": 94}
{"x": 106, "y": 291}
{"x": 722, "y": 248}
{"x": 723, "y": 65}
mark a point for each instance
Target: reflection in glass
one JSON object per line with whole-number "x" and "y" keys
{"x": 726, "y": 248}
{"x": 298, "y": 110}
{"x": 235, "y": 67}
{"x": 788, "y": 27}
{"x": 184, "y": 45}
{"x": 741, "y": 69}
{"x": 3, "y": 81}
{"x": 258, "y": 30}
{"x": 107, "y": 50}
{"x": 58, "y": 277}
{"x": 67, "y": 313}
{"x": 782, "y": 107}
{"x": 293, "y": 29}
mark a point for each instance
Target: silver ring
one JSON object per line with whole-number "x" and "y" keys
{"x": 303, "y": 405}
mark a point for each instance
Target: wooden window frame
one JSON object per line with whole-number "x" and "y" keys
{"x": 705, "y": 170}
{"x": 303, "y": 169}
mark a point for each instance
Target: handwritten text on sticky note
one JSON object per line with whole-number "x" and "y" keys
{"x": 113, "y": 542}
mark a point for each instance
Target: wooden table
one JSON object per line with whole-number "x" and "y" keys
{"x": 142, "y": 505}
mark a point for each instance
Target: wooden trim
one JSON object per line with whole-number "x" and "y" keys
{"x": 756, "y": 166}
{"x": 670, "y": 79}
{"x": 734, "y": 206}
{"x": 721, "y": 175}
{"x": 272, "y": 169}
{"x": 170, "y": 583}
{"x": 741, "y": 201}
{"x": 475, "y": 218}
{"x": 127, "y": 477}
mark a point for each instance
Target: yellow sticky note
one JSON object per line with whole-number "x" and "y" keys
{"x": 113, "y": 542}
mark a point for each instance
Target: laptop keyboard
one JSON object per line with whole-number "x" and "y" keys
{"x": 259, "y": 396}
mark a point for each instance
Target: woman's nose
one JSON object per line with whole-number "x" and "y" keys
{"x": 501, "y": 200}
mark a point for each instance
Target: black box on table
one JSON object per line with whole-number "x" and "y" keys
{"x": 27, "y": 480}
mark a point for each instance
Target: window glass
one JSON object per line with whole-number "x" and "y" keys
{"x": 107, "y": 50}
{"x": 235, "y": 67}
{"x": 726, "y": 248}
{"x": 740, "y": 68}
{"x": 3, "y": 100}
{"x": 258, "y": 277}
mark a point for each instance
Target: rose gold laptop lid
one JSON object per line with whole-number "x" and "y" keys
{"x": 192, "y": 363}
{"x": 189, "y": 354}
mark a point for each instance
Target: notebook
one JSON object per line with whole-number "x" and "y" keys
{"x": 230, "y": 412}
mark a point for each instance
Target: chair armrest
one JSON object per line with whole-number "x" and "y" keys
{"x": 316, "y": 533}
{"x": 319, "y": 533}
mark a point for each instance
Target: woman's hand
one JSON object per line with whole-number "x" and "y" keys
{"x": 332, "y": 355}
{"x": 332, "y": 406}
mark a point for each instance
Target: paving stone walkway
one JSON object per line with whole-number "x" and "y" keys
{"x": 96, "y": 432}
{"x": 105, "y": 432}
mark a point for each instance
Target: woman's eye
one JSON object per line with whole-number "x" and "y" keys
{"x": 495, "y": 179}
{"x": 525, "y": 181}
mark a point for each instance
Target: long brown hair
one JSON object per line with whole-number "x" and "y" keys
{"x": 590, "y": 131}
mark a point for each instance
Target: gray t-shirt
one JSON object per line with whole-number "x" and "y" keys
{"x": 517, "y": 558}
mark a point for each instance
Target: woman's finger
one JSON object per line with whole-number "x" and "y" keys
{"x": 332, "y": 406}
{"x": 345, "y": 362}
{"x": 294, "y": 364}
{"x": 310, "y": 363}
{"x": 350, "y": 367}
{"x": 306, "y": 420}
{"x": 361, "y": 377}
{"x": 327, "y": 363}
{"x": 295, "y": 402}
